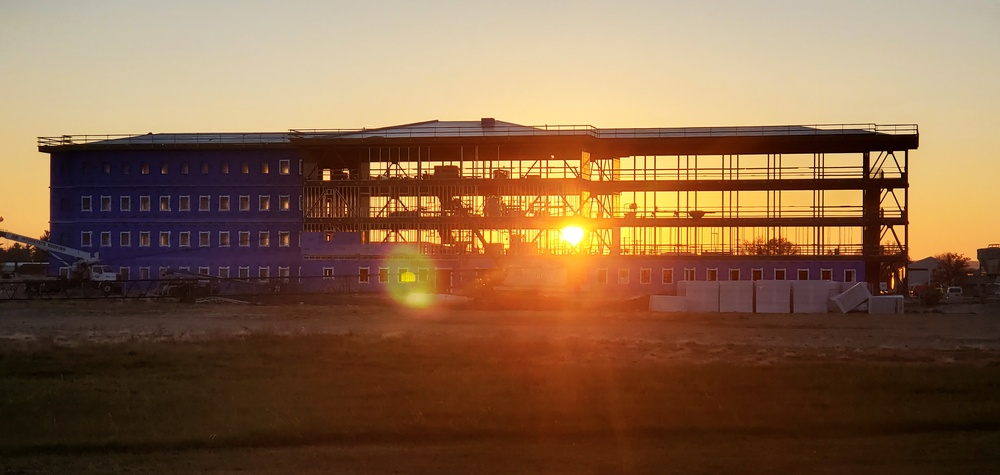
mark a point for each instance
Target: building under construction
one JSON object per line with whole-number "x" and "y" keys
{"x": 624, "y": 211}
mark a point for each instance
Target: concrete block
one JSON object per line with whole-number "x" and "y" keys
{"x": 703, "y": 296}
{"x": 773, "y": 296}
{"x": 851, "y": 298}
{"x": 667, "y": 303}
{"x": 883, "y": 304}
{"x": 813, "y": 296}
{"x": 736, "y": 296}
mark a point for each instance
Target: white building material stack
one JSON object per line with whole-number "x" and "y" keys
{"x": 703, "y": 296}
{"x": 736, "y": 296}
{"x": 773, "y": 296}
{"x": 885, "y": 304}
{"x": 667, "y": 303}
{"x": 851, "y": 298}
{"x": 813, "y": 296}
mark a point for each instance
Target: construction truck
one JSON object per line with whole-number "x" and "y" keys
{"x": 83, "y": 267}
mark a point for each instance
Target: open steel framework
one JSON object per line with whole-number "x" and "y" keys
{"x": 498, "y": 189}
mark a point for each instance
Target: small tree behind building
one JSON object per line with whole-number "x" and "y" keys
{"x": 951, "y": 268}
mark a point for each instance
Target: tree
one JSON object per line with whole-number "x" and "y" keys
{"x": 41, "y": 255}
{"x": 17, "y": 253}
{"x": 951, "y": 268}
{"x": 772, "y": 247}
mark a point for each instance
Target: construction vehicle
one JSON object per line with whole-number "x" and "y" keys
{"x": 83, "y": 269}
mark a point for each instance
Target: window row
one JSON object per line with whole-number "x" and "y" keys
{"x": 185, "y": 168}
{"x": 184, "y": 203}
{"x": 184, "y": 239}
{"x": 712, "y": 274}
{"x": 242, "y": 272}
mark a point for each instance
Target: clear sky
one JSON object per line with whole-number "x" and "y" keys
{"x": 110, "y": 67}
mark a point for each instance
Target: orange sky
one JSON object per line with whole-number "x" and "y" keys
{"x": 69, "y": 67}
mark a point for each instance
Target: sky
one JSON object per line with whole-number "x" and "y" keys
{"x": 118, "y": 67}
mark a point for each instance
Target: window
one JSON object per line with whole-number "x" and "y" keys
{"x": 164, "y": 238}
{"x": 623, "y": 276}
{"x": 125, "y": 203}
{"x": 204, "y": 202}
{"x": 144, "y": 273}
{"x": 803, "y": 274}
{"x": 284, "y": 203}
{"x": 826, "y": 274}
{"x": 263, "y": 273}
{"x": 144, "y": 238}
{"x": 244, "y": 238}
{"x": 185, "y": 239}
{"x": 185, "y": 203}
{"x": 284, "y": 238}
{"x": 734, "y": 274}
{"x": 244, "y": 167}
{"x": 144, "y": 203}
{"x": 405, "y": 276}
{"x": 244, "y": 272}
{"x": 264, "y": 239}
{"x": 126, "y": 168}
{"x": 244, "y": 202}
{"x": 689, "y": 274}
{"x": 145, "y": 168}
{"x": 328, "y": 236}
{"x": 85, "y": 204}
{"x": 264, "y": 202}
{"x": 645, "y": 276}
{"x": 602, "y": 276}
{"x": 204, "y": 239}
{"x": 667, "y": 276}
{"x": 328, "y": 273}
{"x": 383, "y": 274}
{"x": 849, "y": 275}
{"x": 712, "y": 274}
{"x": 106, "y": 167}
{"x": 105, "y": 203}
{"x": 363, "y": 275}
{"x": 125, "y": 239}
{"x": 223, "y": 238}
{"x": 204, "y": 168}
{"x": 224, "y": 168}
{"x": 779, "y": 274}
{"x": 283, "y": 273}
{"x": 123, "y": 273}
{"x": 422, "y": 274}
{"x": 284, "y": 167}
{"x": 164, "y": 168}
{"x": 164, "y": 203}
{"x": 757, "y": 274}
{"x": 185, "y": 168}
{"x": 204, "y": 270}
{"x": 86, "y": 239}
{"x": 224, "y": 272}
{"x": 105, "y": 238}
{"x": 265, "y": 168}
{"x": 224, "y": 203}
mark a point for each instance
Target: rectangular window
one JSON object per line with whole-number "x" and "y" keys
{"x": 185, "y": 168}
{"x": 645, "y": 276}
{"x": 734, "y": 274}
{"x": 363, "y": 275}
{"x": 105, "y": 238}
{"x": 123, "y": 273}
{"x": 264, "y": 202}
{"x": 185, "y": 203}
{"x": 244, "y": 167}
{"x": 125, "y": 239}
{"x": 602, "y": 276}
{"x": 404, "y": 275}
{"x": 163, "y": 271}
{"x": 284, "y": 167}
{"x": 826, "y": 274}
{"x": 244, "y": 238}
{"x": 145, "y": 168}
{"x": 223, "y": 238}
{"x": 164, "y": 168}
{"x": 667, "y": 276}
{"x": 284, "y": 203}
{"x": 164, "y": 203}
{"x": 283, "y": 273}
{"x": 712, "y": 274}
{"x": 224, "y": 272}
{"x": 623, "y": 276}
{"x": 144, "y": 273}
{"x": 125, "y": 203}
{"x": 204, "y": 168}
{"x": 284, "y": 239}
{"x": 185, "y": 239}
{"x": 383, "y": 274}
{"x": 224, "y": 168}
{"x": 803, "y": 274}
{"x": 264, "y": 239}
{"x": 204, "y": 270}
{"x": 849, "y": 275}
{"x": 265, "y": 168}
{"x": 224, "y": 203}
{"x": 422, "y": 274}
{"x": 106, "y": 167}
{"x": 779, "y": 274}
{"x": 144, "y": 239}
{"x": 86, "y": 239}
{"x": 164, "y": 238}
{"x": 126, "y": 168}
{"x": 144, "y": 203}
{"x": 204, "y": 203}
{"x": 85, "y": 203}
{"x": 263, "y": 273}
{"x": 757, "y": 274}
{"x": 244, "y": 272}
{"x": 204, "y": 238}
{"x": 244, "y": 202}
{"x": 689, "y": 274}
{"x": 105, "y": 203}
{"x": 328, "y": 273}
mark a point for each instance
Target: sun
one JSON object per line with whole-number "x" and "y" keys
{"x": 572, "y": 234}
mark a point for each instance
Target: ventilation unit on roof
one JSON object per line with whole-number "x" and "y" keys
{"x": 488, "y": 122}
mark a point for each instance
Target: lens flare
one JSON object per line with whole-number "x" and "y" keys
{"x": 572, "y": 234}
{"x": 409, "y": 282}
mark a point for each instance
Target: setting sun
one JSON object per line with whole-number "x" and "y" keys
{"x": 572, "y": 234}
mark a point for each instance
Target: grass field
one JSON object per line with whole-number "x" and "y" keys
{"x": 500, "y": 403}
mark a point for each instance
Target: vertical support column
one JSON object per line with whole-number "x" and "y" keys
{"x": 870, "y": 234}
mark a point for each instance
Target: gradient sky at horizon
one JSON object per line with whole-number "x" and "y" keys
{"x": 110, "y": 67}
